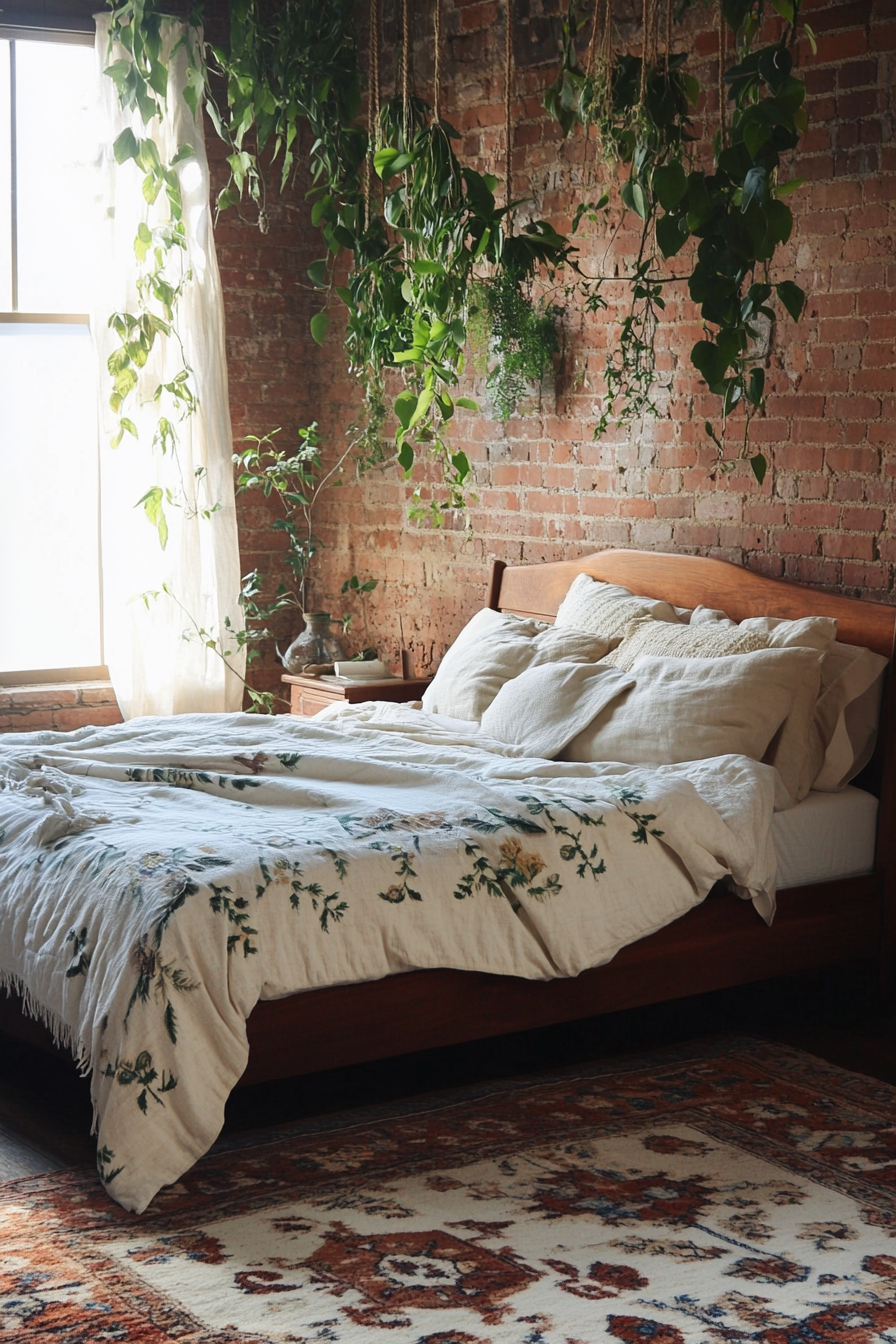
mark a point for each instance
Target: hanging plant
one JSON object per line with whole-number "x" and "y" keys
{"x": 412, "y": 263}
{"x": 738, "y": 211}
{"x": 140, "y": 76}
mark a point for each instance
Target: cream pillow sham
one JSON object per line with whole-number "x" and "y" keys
{"x": 492, "y": 649}
{"x": 658, "y": 639}
{"x": 607, "y": 608}
{"x": 847, "y": 714}
{"x": 687, "y": 709}
{"x": 543, "y": 709}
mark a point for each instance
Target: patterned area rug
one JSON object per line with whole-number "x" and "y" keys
{"x": 731, "y": 1191}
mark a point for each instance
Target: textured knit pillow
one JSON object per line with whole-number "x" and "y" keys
{"x": 689, "y": 709}
{"x": 657, "y": 639}
{"x": 607, "y": 608}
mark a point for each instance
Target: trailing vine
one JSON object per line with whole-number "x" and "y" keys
{"x": 640, "y": 110}
{"x": 140, "y": 77}
{"x": 412, "y": 261}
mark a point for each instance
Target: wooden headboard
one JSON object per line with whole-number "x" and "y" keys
{"x": 689, "y": 581}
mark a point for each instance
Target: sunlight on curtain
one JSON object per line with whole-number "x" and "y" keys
{"x": 154, "y": 669}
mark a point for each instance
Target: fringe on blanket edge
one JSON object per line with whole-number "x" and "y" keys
{"x": 63, "y": 1035}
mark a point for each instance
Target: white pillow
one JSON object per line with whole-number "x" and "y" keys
{"x": 809, "y": 632}
{"x": 847, "y": 713}
{"x": 687, "y": 709}
{"x": 543, "y": 709}
{"x": 489, "y": 650}
{"x": 607, "y": 608}
{"x": 659, "y": 639}
{"x": 493, "y": 648}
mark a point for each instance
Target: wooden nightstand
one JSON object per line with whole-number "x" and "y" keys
{"x": 309, "y": 694}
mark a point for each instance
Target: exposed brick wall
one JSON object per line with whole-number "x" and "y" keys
{"x": 27, "y": 709}
{"x": 547, "y": 489}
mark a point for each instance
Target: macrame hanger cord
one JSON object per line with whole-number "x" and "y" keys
{"x": 592, "y": 42}
{"x": 723, "y": 129}
{"x": 645, "y": 25}
{"x": 405, "y": 72}
{"x": 437, "y": 62}
{"x": 373, "y": 103}
{"x": 375, "y": 72}
{"x": 508, "y": 128}
{"x": 668, "y": 34}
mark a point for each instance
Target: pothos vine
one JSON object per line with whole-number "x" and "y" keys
{"x": 639, "y": 107}
{"x": 432, "y": 250}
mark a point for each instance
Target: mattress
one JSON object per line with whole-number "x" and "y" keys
{"x": 825, "y": 836}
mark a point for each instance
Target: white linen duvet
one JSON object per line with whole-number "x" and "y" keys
{"x": 159, "y": 877}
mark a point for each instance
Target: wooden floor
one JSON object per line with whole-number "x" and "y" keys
{"x": 45, "y": 1110}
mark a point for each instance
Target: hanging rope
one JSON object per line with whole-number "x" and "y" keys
{"x": 405, "y": 71}
{"x": 437, "y": 72}
{"x": 508, "y": 128}
{"x": 723, "y": 129}
{"x": 592, "y": 44}
{"x": 645, "y": 16}
{"x": 374, "y": 72}
{"x": 373, "y": 104}
{"x": 668, "y": 33}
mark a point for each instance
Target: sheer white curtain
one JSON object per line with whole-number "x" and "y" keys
{"x": 154, "y": 669}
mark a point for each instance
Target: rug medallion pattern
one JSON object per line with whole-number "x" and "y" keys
{"x": 734, "y": 1192}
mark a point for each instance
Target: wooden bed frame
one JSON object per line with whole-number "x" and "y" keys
{"x": 719, "y": 944}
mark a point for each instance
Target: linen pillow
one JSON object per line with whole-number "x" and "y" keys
{"x": 606, "y": 608}
{"x": 658, "y": 639}
{"x": 688, "y": 709}
{"x": 569, "y": 646}
{"x": 809, "y": 632}
{"x": 543, "y": 709}
{"x": 489, "y": 650}
{"x": 847, "y": 714}
{"x": 493, "y": 648}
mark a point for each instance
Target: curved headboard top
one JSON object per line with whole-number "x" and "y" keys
{"x": 690, "y": 581}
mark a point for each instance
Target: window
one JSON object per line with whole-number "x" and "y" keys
{"x": 50, "y": 593}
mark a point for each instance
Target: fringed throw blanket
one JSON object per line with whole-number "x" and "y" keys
{"x": 159, "y": 877}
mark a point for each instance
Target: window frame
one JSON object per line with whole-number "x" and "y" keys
{"x": 60, "y": 31}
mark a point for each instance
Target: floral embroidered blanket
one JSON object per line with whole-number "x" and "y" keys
{"x": 158, "y": 878}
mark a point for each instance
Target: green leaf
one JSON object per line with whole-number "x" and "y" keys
{"x": 427, "y": 268}
{"x": 406, "y": 457}
{"x": 152, "y": 507}
{"x": 467, "y": 403}
{"x": 461, "y": 464}
{"x": 143, "y": 241}
{"x": 126, "y": 146}
{"x": 756, "y": 386}
{"x": 755, "y": 188}
{"x": 710, "y": 362}
{"x": 319, "y": 324}
{"x": 317, "y": 273}
{"x": 670, "y": 185}
{"x": 792, "y": 297}
{"x": 424, "y": 401}
{"x": 404, "y": 407}
{"x": 785, "y": 188}
{"x": 760, "y": 466}
{"x": 669, "y": 235}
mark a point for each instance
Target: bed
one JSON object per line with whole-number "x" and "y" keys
{"x": 717, "y": 945}
{"x": 719, "y": 941}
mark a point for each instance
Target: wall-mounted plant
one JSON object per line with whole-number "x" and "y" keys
{"x": 640, "y": 109}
